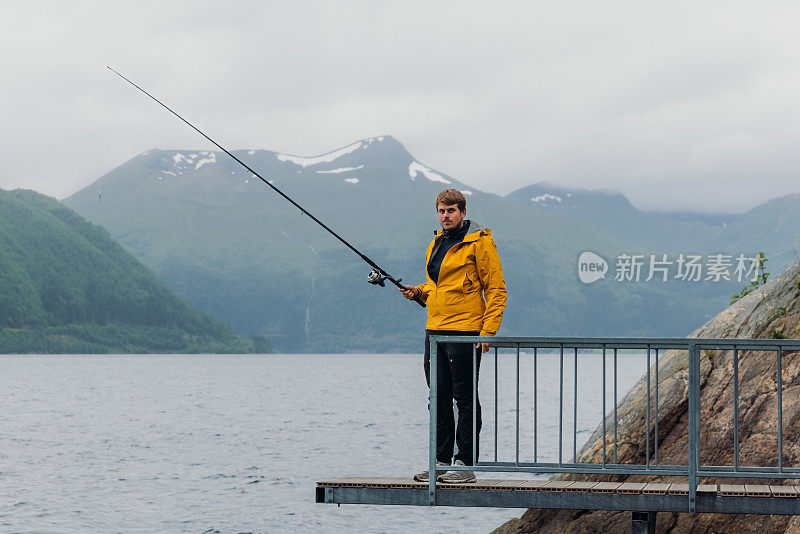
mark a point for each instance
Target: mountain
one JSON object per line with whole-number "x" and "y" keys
{"x": 772, "y": 227}
{"x": 66, "y": 286}
{"x": 711, "y": 219}
{"x": 234, "y": 248}
{"x": 544, "y": 195}
{"x": 618, "y": 218}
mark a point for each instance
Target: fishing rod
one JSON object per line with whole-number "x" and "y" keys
{"x": 377, "y": 276}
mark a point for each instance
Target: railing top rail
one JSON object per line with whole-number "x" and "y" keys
{"x": 623, "y": 342}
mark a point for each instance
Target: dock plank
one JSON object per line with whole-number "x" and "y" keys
{"x": 757, "y": 490}
{"x": 631, "y": 487}
{"x": 581, "y": 486}
{"x": 678, "y": 489}
{"x": 480, "y": 484}
{"x": 556, "y": 485}
{"x": 503, "y": 485}
{"x": 656, "y": 488}
{"x": 607, "y": 487}
{"x": 531, "y": 485}
{"x": 706, "y": 488}
{"x": 732, "y": 489}
{"x": 784, "y": 491}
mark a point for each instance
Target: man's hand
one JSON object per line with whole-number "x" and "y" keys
{"x": 409, "y": 292}
{"x": 484, "y": 347}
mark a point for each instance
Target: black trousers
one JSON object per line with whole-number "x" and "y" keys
{"x": 454, "y": 362}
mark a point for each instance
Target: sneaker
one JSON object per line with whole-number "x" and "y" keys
{"x": 424, "y": 476}
{"x": 457, "y": 477}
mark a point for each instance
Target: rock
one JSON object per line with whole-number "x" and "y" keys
{"x": 773, "y": 310}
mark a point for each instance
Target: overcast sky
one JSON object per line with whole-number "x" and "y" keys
{"x": 679, "y": 105}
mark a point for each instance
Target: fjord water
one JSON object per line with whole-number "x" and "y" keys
{"x": 220, "y": 443}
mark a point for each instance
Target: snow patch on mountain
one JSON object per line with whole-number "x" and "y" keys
{"x": 341, "y": 169}
{"x": 210, "y": 159}
{"x": 178, "y": 158}
{"x": 351, "y": 180}
{"x": 544, "y": 198}
{"x": 325, "y": 158}
{"x": 417, "y": 167}
{"x": 466, "y": 192}
{"x": 251, "y": 152}
{"x": 371, "y": 140}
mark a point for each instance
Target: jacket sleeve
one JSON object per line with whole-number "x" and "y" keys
{"x": 423, "y": 289}
{"x": 494, "y": 286}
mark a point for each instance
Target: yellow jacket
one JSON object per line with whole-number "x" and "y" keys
{"x": 470, "y": 273}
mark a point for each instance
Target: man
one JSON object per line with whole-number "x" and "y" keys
{"x": 466, "y": 295}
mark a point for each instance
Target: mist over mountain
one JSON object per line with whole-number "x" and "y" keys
{"x": 711, "y": 219}
{"x": 224, "y": 241}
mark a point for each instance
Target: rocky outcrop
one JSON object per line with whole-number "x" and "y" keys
{"x": 771, "y": 311}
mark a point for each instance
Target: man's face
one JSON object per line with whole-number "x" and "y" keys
{"x": 450, "y": 216}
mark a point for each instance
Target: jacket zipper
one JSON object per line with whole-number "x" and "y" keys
{"x": 439, "y": 320}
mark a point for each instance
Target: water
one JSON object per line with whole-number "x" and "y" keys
{"x": 215, "y": 443}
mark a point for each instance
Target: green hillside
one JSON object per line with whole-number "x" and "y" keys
{"x": 66, "y": 286}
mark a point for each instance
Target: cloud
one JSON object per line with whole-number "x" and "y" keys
{"x": 680, "y": 105}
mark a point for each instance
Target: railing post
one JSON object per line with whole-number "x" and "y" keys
{"x": 604, "y": 404}
{"x": 432, "y": 439}
{"x": 535, "y": 408}
{"x": 475, "y": 351}
{"x": 779, "y": 382}
{"x": 647, "y": 416}
{"x": 560, "y": 405}
{"x": 516, "y": 434}
{"x": 694, "y": 416}
{"x": 736, "y": 408}
{"x": 495, "y": 405}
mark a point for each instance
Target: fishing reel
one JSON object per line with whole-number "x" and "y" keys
{"x": 376, "y": 278}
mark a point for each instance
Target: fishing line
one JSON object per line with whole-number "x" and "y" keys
{"x": 377, "y": 276}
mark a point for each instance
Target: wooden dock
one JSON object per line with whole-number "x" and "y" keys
{"x": 578, "y": 495}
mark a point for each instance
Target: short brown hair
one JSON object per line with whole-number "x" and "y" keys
{"x": 448, "y": 197}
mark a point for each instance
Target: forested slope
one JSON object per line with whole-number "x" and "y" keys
{"x": 66, "y": 286}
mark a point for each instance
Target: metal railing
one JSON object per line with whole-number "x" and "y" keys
{"x": 609, "y": 348}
